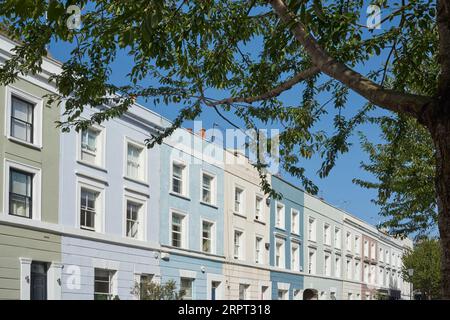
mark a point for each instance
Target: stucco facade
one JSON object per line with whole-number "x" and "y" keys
{"x": 323, "y": 248}
{"x": 286, "y": 241}
{"x": 105, "y": 243}
{"x": 31, "y": 152}
{"x": 247, "y": 274}
{"x": 191, "y": 201}
{"x": 91, "y": 214}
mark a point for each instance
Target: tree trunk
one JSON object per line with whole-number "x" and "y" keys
{"x": 437, "y": 119}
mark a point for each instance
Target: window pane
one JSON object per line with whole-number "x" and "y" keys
{"x": 176, "y": 231}
{"x": 132, "y": 219}
{"x": 133, "y": 161}
{"x": 177, "y": 178}
{"x": 206, "y": 237}
{"x": 87, "y": 209}
{"x": 22, "y": 110}
{"x": 102, "y": 284}
{"x": 20, "y": 201}
{"x": 89, "y": 140}
{"x": 186, "y": 287}
{"x": 21, "y": 183}
{"x": 207, "y": 183}
{"x": 22, "y": 119}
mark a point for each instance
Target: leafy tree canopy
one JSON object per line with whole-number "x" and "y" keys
{"x": 239, "y": 56}
{"x": 151, "y": 290}
{"x": 404, "y": 167}
{"x": 425, "y": 260}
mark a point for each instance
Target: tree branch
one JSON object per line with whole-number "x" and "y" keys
{"x": 385, "y": 98}
{"x": 443, "y": 23}
{"x": 394, "y": 44}
{"x": 302, "y": 75}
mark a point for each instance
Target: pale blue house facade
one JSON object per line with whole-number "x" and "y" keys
{"x": 286, "y": 241}
{"x": 192, "y": 215}
{"x": 109, "y": 207}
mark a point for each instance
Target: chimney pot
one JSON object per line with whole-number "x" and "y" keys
{"x": 203, "y": 133}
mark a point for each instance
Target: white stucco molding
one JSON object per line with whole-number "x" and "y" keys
{"x": 188, "y": 274}
{"x": 25, "y": 278}
{"x": 283, "y": 286}
{"x": 105, "y": 264}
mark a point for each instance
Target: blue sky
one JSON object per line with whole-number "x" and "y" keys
{"x": 338, "y": 188}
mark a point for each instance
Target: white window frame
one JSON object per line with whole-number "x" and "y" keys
{"x": 380, "y": 276}
{"x": 337, "y": 239}
{"x": 312, "y": 265}
{"x": 113, "y": 274}
{"x": 372, "y": 274}
{"x": 185, "y": 177}
{"x": 246, "y": 290}
{"x": 100, "y": 147}
{"x": 192, "y": 280}
{"x": 295, "y": 218}
{"x": 241, "y": 200}
{"x": 280, "y": 217}
{"x": 36, "y": 190}
{"x": 312, "y": 229}
{"x": 366, "y": 275}
{"x": 143, "y": 172}
{"x": 349, "y": 268}
{"x": 259, "y": 255}
{"x": 261, "y": 217}
{"x": 297, "y": 294}
{"x": 37, "y": 115}
{"x": 327, "y": 264}
{"x": 213, "y": 187}
{"x": 357, "y": 271}
{"x": 326, "y": 234}
{"x": 357, "y": 244}
{"x": 282, "y": 263}
{"x": 337, "y": 266}
{"x": 184, "y": 228}
{"x": 366, "y": 248}
{"x": 348, "y": 241}
{"x": 373, "y": 250}
{"x": 241, "y": 250}
{"x": 213, "y": 236}
{"x": 142, "y": 215}
{"x": 284, "y": 294}
{"x": 100, "y": 204}
{"x": 381, "y": 254}
{"x": 296, "y": 265}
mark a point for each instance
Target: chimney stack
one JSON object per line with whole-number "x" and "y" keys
{"x": 203, "y": 133}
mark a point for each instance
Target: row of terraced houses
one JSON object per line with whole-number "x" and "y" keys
{"x": 89, "y": 214}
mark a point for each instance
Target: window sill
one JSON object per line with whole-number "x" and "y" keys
{"x": 239, "y": 214}
{"x": 209, "y": 205}
{"x": 141, "y": 182}
{"x": 295, "y": 234}
{"x": 25, "y": 144}
{"x": 93, "y": 166}
{"x": 259, "y": 221}
{"x": 280, "y": 228}
{"x": 19, "y": 216}
{"x": 179, "y": 196}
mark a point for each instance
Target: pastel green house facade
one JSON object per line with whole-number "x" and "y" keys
{"x": 26, "y": 245}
